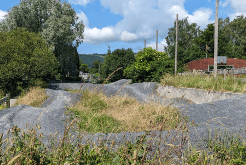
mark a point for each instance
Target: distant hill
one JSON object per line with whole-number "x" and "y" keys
{"x": 90, "y": 58}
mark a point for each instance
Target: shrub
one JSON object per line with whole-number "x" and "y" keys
{"x": 119, "y": 58}
{"x": 150, "y": 65}
{"x": 24, "y": 57}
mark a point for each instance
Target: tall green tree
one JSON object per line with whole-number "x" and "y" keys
{"x": 83, "y": 67}
{"x": 192, "y": 41}
{"x": 24, "y": 57}
{"x": 117, "y": 59}
{"x": 55, "y": 20}
{"x": 186, "y": 34}
{"x": 207, "y": 38}
{"x": 95, "y": 66}
{"x": 69, "y": 61}
{"x": 235, "y": 32}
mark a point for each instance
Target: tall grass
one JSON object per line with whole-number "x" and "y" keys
{"x": 95, "y": 112}
{"x": 205, "y": 82}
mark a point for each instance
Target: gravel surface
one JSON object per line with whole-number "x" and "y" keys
{"x": 228, "y": 114}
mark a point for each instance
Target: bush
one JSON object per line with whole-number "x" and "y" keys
{"x": 38, "y": 83}
{"x": 150, "y": 65}
{"x": 117, "y": 59}
{"x": 24, "y": 57}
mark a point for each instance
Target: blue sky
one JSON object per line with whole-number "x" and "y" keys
{"x": 126, "y": 23}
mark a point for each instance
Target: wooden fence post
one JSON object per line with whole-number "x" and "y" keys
{"x": 225, "y": 71}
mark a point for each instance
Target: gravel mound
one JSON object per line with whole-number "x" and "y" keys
{"x": 224, "y": 115}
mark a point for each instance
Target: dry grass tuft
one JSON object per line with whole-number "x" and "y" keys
{"x": 33, "y": 97}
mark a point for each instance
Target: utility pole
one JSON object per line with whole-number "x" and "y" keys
{"x": 176, "y": 48}
{"x": 156, "y": 40}
{"x": 144, "y": 43}
{"x": 216, "y": 39}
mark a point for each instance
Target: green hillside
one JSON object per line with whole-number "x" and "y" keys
{"x": 90, "y": 58}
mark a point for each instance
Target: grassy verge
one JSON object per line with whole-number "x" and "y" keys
{"x": 206, "y": 82}
{"x": 120, "y": 114}
{"x": 34, "y": 97}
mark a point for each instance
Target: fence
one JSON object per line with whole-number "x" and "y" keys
{"x": 231, "y": 71}
{"x": 5, "y": 101}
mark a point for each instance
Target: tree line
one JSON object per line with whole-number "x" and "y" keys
{"x": 192, "y": 42}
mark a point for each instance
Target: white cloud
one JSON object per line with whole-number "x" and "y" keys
{"x": 80, "y": 2}
{"x": 224, "y": 3}
{"x": 238, "y": 6}
{"x": 201, "y": 17}
{"x": 98, "y": 35}
{"x": 141, "y": 19}
{"x": 234, "y": 15}
{"x": 83, "y": 17}
{"x": 126, "y": 36}
{"x": 160, "y": 45}
{"x": 2, "y": 13}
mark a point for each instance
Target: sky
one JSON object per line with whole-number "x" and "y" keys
{"x": 126, "y": 23}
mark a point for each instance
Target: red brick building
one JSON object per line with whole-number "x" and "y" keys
{"x": 203, "y": 64}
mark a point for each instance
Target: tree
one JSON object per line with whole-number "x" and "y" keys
{"x": 55, "y": 21}
{"x": 95, "y": 66}
{"x": 234, "y": 31}
{"x": 197, "y": 46}
{"x": 24, "y": 58}
{"x": 150, "y": 66}
{"x": 83, "y": 67}
{"x": 198, "y": 49}
{"x": 69, "y": 60}
{"x": 117, "y": 59}
{"x": 186, "y": 34}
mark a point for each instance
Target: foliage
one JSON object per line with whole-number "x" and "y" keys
{"x": 207, "y": 38}
{"x": 149, "y": 66}
{"x": 234, "y": 31}
{"x": 186, "y": 34}
{"x": 54, "y": 20}
{"x": 24, "y": 58}
{"x": 83, "y": 67}
{"x": 117, "y": 59}
{"x": 95, "y": 66}
{"x": 192, "y": 41}
{"x": 69, "y": 59}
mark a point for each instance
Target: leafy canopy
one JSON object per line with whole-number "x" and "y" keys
{"x": 150, "y": 65}
{"x": 55, "y": 21}
{"x": 95, "y": 66}
{"x": 117, "y": 59}
{"x": 83, "y": 67}
{"x": 24, "y": 57}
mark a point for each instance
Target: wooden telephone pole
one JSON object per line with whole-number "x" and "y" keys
{"x": 176, "y": 47}
{"x": 216, "y": 39}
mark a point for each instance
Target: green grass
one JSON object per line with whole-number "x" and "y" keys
{"x": 206, "y": 82}
{"x": 96, "y": 113}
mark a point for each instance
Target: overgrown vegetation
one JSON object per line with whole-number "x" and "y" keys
{"x": 206, "y": 82}
{"x": 24, "y": 58}
{"x": 96, "y": 113}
